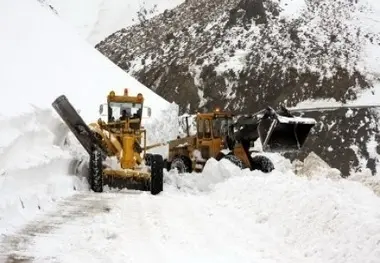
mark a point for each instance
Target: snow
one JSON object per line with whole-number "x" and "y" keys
{"x": 291, "y": 8}
{"x": 280, "y": 216}
{"x": 53, "y": 60}
{"x": 310, "y": 103}
{"x": 303, "y": 120}
{"x": 94, "y": 20}
{"x": 34, "y": 170}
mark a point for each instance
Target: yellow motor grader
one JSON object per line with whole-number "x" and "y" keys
{"x": 219, "y": 136}
{"x": 120, "y": 135}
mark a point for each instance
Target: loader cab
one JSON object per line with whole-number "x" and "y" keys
{"x": 212, "y": 128}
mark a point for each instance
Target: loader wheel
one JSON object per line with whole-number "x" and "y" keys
{"x": 96, "y": 171}
{"x": 182, "y": 164}
{"x": 148, "y": 159}
{"x": 157, "y": 174}
{"x": 262, "y": 163}
{"x": 219, "y": 156}
{"x": 235, "y": 160}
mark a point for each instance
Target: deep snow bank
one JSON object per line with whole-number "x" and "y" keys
{"x": 34, "y": 170}
{"x": 42, "y": 58}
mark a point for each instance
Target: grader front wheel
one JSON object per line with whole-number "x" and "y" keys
{"x": 95, "y": 177}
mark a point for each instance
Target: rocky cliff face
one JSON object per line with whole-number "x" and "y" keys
{"x": 243, "y": 55}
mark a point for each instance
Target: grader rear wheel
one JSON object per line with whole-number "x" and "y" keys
{"x": 157, "y": 174}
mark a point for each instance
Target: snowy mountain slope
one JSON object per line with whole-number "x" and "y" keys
{"x": 281, "y": 217}
{"x": 324, "y": 40}
{"x": 94, "y": 20}
{"x": 243, "y": 55}
{"x": 42, "y": 58}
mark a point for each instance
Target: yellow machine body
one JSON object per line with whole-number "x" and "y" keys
{"x": 123, "y": 137}
{"x": 219, "y": 136}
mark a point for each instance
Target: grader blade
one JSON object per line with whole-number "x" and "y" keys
{"x": 137, "y": 179}
{"x": 284, "y": 134}
{"x": 76, "y": 124}
{"x": 140, "y": 184}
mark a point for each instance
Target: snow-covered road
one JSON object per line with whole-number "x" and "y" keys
{"x": 223, "y": 215}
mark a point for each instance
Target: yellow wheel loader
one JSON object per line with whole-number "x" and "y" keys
{"x": 220, "y": 136}
{"x": 120, "y": 136}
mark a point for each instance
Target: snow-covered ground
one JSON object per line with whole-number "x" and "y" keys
{"x": 295, "y": 214}
{"x": 223, "y": 215}
{"x": 94, "y": 20}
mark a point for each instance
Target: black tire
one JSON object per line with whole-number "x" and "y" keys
{"x": 182, "y": 164}
{"x": 167, "y": 164}
{"x": 262, "y": 163}
{"x": 219, "y": 156}
{"x": 157, "y": 174}
{"x": 235, "y": 160}
{"x": 148, "y": 159}
{"x": 95, "y": 177}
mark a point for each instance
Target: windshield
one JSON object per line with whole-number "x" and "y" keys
{"x": 123, "y": 110}
{"x": 220, "y": 126}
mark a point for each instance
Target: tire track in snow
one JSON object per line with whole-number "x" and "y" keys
{"x": 14, "y": 248}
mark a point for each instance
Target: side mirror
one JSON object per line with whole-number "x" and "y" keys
{"x": 148, "y": 111}
{"x": 100, "y": 108}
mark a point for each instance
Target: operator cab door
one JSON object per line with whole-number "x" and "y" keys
{"x": 207, "y": 144}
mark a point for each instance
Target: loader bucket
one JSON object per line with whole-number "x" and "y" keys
{"x": 284, "y": 134}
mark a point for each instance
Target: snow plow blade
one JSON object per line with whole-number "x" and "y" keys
{"x": 284, "y": 133}
{"x": 77, "y": 125}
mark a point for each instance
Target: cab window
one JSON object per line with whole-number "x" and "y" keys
{"x": 200, "y": 129}
{"x": 216, "y": 126}
{"x": 207, "y": 131}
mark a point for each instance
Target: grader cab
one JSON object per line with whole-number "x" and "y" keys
{"x": 120, "y": 136}
{"x": 220, "y": 136}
